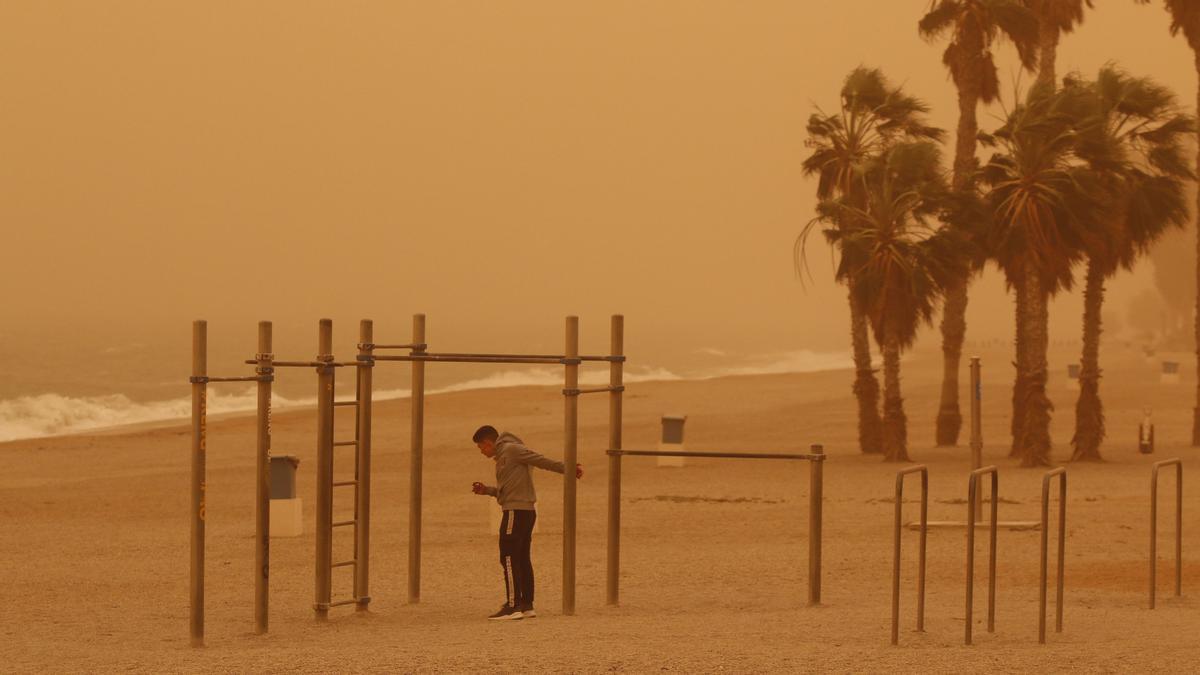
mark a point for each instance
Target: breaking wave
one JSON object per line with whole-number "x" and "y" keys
{"x": 55, "y": 414}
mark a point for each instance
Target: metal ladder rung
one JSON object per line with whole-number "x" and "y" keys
{"x": 341, "y": 403}
{"x": 343, "y": 483}
{"x": 345, "y": 523}
{"x": 339, "y": 603}
{"x": 338, "y": 444}
{"x": 346, "y": 563}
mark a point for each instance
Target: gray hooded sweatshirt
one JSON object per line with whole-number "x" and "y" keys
{"x": 514, "y": 482}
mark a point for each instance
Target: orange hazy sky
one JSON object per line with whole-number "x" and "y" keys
{"x": 479, "y": 161}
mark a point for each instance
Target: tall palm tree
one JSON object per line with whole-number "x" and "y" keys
{"x": 1054, "y": 17}
{"x": 872, "y": 115}
{"x": 898, "y": 261}
{"x": 1135, "y": 143}
{"x": 974, "y": 27}
{"x": 1185, "y": 19}
{"x": 1042, "y": 201}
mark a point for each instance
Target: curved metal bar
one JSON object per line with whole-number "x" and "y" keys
{"x": 972, "y": 493}
{"x": 1061, "y": 474}
{"x": 1178, "y": 464}
{"x": 920, "y": 468}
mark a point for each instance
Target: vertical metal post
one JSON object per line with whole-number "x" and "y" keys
{"x": 415, "y": 468}
{"x": 898, "y": 524}
{"x": 570, "y": 458}
{"x": 815, "y": 500}
{"x": 972, "y": 500}
{"x": 199, "y": 443}
{"x": 1178, "y": 464}
{"x": 616, "y": 381}
{"x": 362, "y": 505}
{"x": 977, "y": 424}
{"x": 324, "y": 552}
{"x": 1062, "y": 516}
{"x": 262, "y": 493}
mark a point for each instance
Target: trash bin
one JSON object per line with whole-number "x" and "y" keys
{"x": 286, "y": 507}
{"x": 672, "y": 439}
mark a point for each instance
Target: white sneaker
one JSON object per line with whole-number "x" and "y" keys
{"x": 529, "y": 613}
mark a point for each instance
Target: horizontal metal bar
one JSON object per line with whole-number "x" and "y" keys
{"x": 339, "y": 603}
{"x": 557, "y": 357}
{"x": 408, "y": 346}
{"x": 345, "y": 523}
{"x": 204, "y": 379}
{"x": 341, "y": 403}
{"x": 717, "y": 455}
{"x": 344, "y": 563}
{"x": 343, "y": 483}
{"x": 340, "y": 444}
{"x": 442, "y": 358}
{"x": 593, "y": 390}
{"x": 291, "y": 364}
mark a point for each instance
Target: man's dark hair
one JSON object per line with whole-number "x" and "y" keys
{"x": 485, "y": 433}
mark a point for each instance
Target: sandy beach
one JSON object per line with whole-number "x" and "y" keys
{"x": 95, "y": 543}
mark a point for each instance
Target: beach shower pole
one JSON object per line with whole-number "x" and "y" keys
{"x": 199, "y": 403}
{"x": 977, "y": 428}
{"x": 414, "y": 473}
{"x": 570, "y": 439}
{"x": 262, "y": 492}
{"x": 324, "y": 538}
{"x": 816, "y": 488}
{"x": 362, "y": 505}
{"x": 616, "y": 382}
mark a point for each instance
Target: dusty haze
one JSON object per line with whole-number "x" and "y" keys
{"x": 482, "y": 162}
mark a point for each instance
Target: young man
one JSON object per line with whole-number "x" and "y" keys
{"x": 514, "y": 491}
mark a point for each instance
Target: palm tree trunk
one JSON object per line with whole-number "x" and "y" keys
{"x": 1035, "y": 430}
{"x": 895, "y": 424}
{"x": 1048, "y": 54}
{"x": 866, "y": 387}
{"x": 1089, "y": 410}
{"x": 1019, "y": 384}
{"x": 954, "y": 310}
{"x": 1196, "y": 410}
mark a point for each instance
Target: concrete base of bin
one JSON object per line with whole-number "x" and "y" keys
{"x": 286, "y": 517}
{"x": 495, "y": 513}
{"x": 670, "y": 461}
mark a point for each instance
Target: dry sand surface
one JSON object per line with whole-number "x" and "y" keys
{"x": 94, "y": 544}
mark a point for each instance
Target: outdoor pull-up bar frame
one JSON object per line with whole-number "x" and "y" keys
{"x": 570, "y": 359}
{"x": 816, "y": 459}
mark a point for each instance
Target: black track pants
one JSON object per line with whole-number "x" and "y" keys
{"x": 516, "y": 534}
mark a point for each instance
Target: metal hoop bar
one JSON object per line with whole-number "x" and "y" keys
{"x": 1178, "y": 464}
{"x": 921, "y": 469}
{"x": 1061, "y": 474}
{"x": 972, "y": 494}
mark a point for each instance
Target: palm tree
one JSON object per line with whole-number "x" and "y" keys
{"x": 1041, "y": 200}
{"x": 1136, "y": 146}
{"x": 974, "y": 26}
{"x": 1185, "y": 18}
{"x": 1055, "y": 18}
{"x": 872, "y": 115}
{"x": 896, "y": 260}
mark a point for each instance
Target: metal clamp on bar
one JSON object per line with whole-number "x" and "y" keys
{"x": 365, "y": 358}
{"x": 321, "y": 606}
{"x": 264, "y": 357}
{"x": 571, "y": 361}
{"x": 198, "y": 379}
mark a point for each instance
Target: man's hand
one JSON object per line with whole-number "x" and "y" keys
{"x": 579, "y": 471}
{"x": 478, "y": 488}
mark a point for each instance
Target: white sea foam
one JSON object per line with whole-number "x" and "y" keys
{"x": 54, "y": 414}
